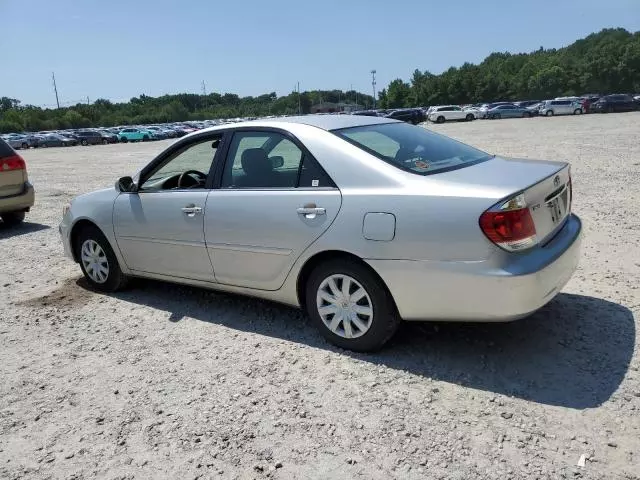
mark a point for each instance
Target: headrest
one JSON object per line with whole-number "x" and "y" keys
{"x": 256, "y": 162}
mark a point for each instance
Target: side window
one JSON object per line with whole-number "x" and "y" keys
{"x": 196, "y": 157}
{"x": 313, "y": 175}
{"x": 261, "y": 160}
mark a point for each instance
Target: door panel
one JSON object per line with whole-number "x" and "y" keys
{"x": 254, "y": 236}
{"x": 155, "y": 235}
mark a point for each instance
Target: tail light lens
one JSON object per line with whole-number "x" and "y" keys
{"x": 14, "y": 162}
{"x": 510, "y": 225}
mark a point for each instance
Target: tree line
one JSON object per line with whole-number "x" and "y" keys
{"x": 601, "y": 63}
{"x": 604, "y": 62}
{"x": 15, "y": 117}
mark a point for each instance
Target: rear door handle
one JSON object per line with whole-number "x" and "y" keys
{"x": 191, "y": 210}
{"x": 310, "y": 210}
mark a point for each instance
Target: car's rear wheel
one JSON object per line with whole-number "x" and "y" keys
{"x": 350, "y": 306}
{"x": 124, "y": 139}
{"x": 526, "y": 114}
{"x": 145, "y": 138}
{"x": 12, "y": 218}
{"x": 440, "y": 119}
{"x": 469, "y": 117}
{"x": 25, "y": 146}
{"x": 577, "y": 111}
{"x": 98, "y": 262}
{"x": 84, "y": 143}
{"x": 549, "y": 113}
{"x": 497, "y": 116}
{"x": 105, "y": 141}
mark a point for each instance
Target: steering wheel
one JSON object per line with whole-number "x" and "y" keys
{"x": 183, "y": 175}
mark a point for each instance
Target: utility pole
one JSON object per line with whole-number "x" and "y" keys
{"x": 373, "y": 84}
{"x": 204, "y": 88}
{"x": 87, "y": 99}
{"x": 55, "y": 88}
{"x": 299, "y": 102}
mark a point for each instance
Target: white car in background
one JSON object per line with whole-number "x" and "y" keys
{"x": 446, "y": 113}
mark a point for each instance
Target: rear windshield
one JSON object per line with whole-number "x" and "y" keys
{"x": 5, "y": 149}
{"x": 412, "y": 148}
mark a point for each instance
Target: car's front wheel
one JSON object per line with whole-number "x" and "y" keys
{"x": 12, "y": 218}
{"x": 440, "y": 119}
{"x": 469, "y": 117}
{"x": 577, "y": 111}
{"x": 350, "y": 306}
{"x": 98, "y": 262}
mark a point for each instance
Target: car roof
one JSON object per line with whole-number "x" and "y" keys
{"x": 324, "y": 122}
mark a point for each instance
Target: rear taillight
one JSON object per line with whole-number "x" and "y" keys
{"x": 14, "y": 162}
{"x": 510, "y": 225}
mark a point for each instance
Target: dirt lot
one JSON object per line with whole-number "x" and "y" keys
{"x": 163, "y": 381}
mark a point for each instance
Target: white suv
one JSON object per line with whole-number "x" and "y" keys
{"x": 560, "y": 107}
{"x": 444, "y": 113}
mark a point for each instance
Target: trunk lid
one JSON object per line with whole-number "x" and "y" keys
{"x": 11, "y": 179}
{"x": 544, "y": 184}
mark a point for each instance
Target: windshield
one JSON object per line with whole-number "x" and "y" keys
{"x": 412, "y": 148}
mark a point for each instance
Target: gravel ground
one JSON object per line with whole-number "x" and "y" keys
{"x": 163, "y": 381}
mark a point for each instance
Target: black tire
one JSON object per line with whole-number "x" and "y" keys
{"x": 145, "y": 138}
{"x": 470, "y": 117}
{"x": 526, "y": 114}
{"x": 577, "y": 111}
{"x": 12, "y": 219}
{"x": 440, "y": 119}
{"x": 124, "y": 139}
{"x": 497, "y": 116}
{"x": 105, "y": 141}
{"x": 25, "y": 146}
{"x": 83, "y": 142}
{"x": 115, "y": 279}
{"x": 549, "y": 113}
{"x": 385, "y": 320}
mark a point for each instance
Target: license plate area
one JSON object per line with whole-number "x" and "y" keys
{"x": 558, "y": 207}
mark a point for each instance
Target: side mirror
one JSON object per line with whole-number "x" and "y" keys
{"x": 126, "y": 185}
{"x": 277, "y": 161}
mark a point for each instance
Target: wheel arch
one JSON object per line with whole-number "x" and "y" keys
{"x": 312, "y": 262}
{"x": 75, "y": 232}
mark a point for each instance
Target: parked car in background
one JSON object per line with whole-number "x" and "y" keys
{"x": 352, "y": 228}
{"x": 131, "y": 134}
{"x": 447, "y": 113}
{"x": 16, "y": 193}
{"x": 56, "y": 140}
{"x": 157, "y": 133}
{"x": 615, "y": 103}
{"x": 507, "y": 111}
{"x": 550, "y": 108}
{"x": 108, "y": 137}
{"x": 18, "y": 141}
{"x": 475, "y": 110}
{"x": 409, "y": 115}
{"x": 88, "y": 137}
{"x": 526, "y": 103}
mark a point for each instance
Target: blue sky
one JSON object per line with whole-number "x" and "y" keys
{"x": 118, "y": 49}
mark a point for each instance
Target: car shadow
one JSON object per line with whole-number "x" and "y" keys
{"x": 23, "y": 228}
{"x": 574, "y": 352}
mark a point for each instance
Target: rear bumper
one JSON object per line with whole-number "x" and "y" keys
{"x": 23, "y": 201}
{"x": 482, "y": 291}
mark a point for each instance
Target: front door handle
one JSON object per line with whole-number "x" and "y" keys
{"x": 310, "y": 210}
{"x": 191, "y": 210}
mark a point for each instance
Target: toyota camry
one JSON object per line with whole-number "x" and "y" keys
{"x": 361, "y": 221}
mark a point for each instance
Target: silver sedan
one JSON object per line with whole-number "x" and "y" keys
{"x": 361, "y": 221}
